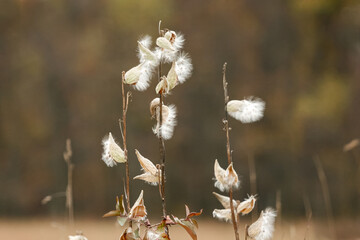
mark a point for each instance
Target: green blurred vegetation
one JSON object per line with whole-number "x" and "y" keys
{"x": 60, "y": 70}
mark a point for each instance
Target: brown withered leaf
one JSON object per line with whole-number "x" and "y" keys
{"x": 191, "y": 214}
{"x": 188, "y": 225}
{"x": 120, "y": 209}
{"x": 112, "y": 213}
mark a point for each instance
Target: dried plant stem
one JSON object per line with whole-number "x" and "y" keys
{"x": 228, "y": 151}
{"x": 69, "y": 189}
{"x": 253, "y": 190}
{"x": 246, "y": 231}
{"x": 122, "y": 124}
{"x": 162, "y": 146}
{"x": 326, "y": 195}
{"x": 278, "y": 206}
{"x": 308, "y": 212}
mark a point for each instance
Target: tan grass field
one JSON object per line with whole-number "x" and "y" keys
{"x": 43, "y": 229}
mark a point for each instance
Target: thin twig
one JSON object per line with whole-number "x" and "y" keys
{"x": 69, "y": 189}
{"x": 326, "y": 195}
{"x": 228, "y": 151}
{"x": 122, "y": 124}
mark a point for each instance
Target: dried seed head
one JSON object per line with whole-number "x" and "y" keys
{"x": 225, "y": 179}
{"x": 151, "y": 173}
{"x": 263, "y": 228}
{"x": 247, "y": 110}
{"x": 247, "y": 205}
{"x": 112, "y": 154}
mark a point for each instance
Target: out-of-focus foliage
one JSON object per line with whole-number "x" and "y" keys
{"x": 60, "y": 71}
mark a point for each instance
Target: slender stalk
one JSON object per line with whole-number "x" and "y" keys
{"x": 326, "y": 195}
{"x": 253, "y": 190}
{"x": 162, "y": 146}
{"x": 308, "y": 212}
{"x": 122, "y": 124}
{"x": 278, "y": 206}
{"x": 246, "y": 232}
{"x": 228, "y": 151}
{"x": 69, "y": 189}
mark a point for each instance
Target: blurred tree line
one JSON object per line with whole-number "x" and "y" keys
{"x": 60, "y": 69}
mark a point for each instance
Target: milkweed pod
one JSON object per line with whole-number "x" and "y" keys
{"x": 263, "y": 228}
{"x": 138, "y": 210}
{"x": 132, "y": 76}
{"x": 162, "y": 86}
{"x": 164, "y": 43}
{"x": 225, "y": 201}
{"x": 247, "y": 110}
{"x": 112, "y": 154}
{"x": 225, "y": 179}
{"x": 172, "y": 77}
{"x": 153, "y": 105}
{"x": 170, "y": 36}
{"x": 247, "y": 205}
{"x": 146, "y": 54}
{"x": 223, "y": 214}
{"x": 151, "y": 173}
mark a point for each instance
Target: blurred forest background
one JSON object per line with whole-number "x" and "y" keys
{"x": 60, "y": 71}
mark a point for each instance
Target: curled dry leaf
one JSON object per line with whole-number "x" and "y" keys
{"x": 131, "y": 234}
{"x": 151, "y": 172}
{"x": 120, "y": 211}
{"x": 188, "y": 223}
{"x": 225, "y": 179}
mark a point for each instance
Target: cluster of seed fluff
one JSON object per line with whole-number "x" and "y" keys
{"x": 167, "y": 50}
